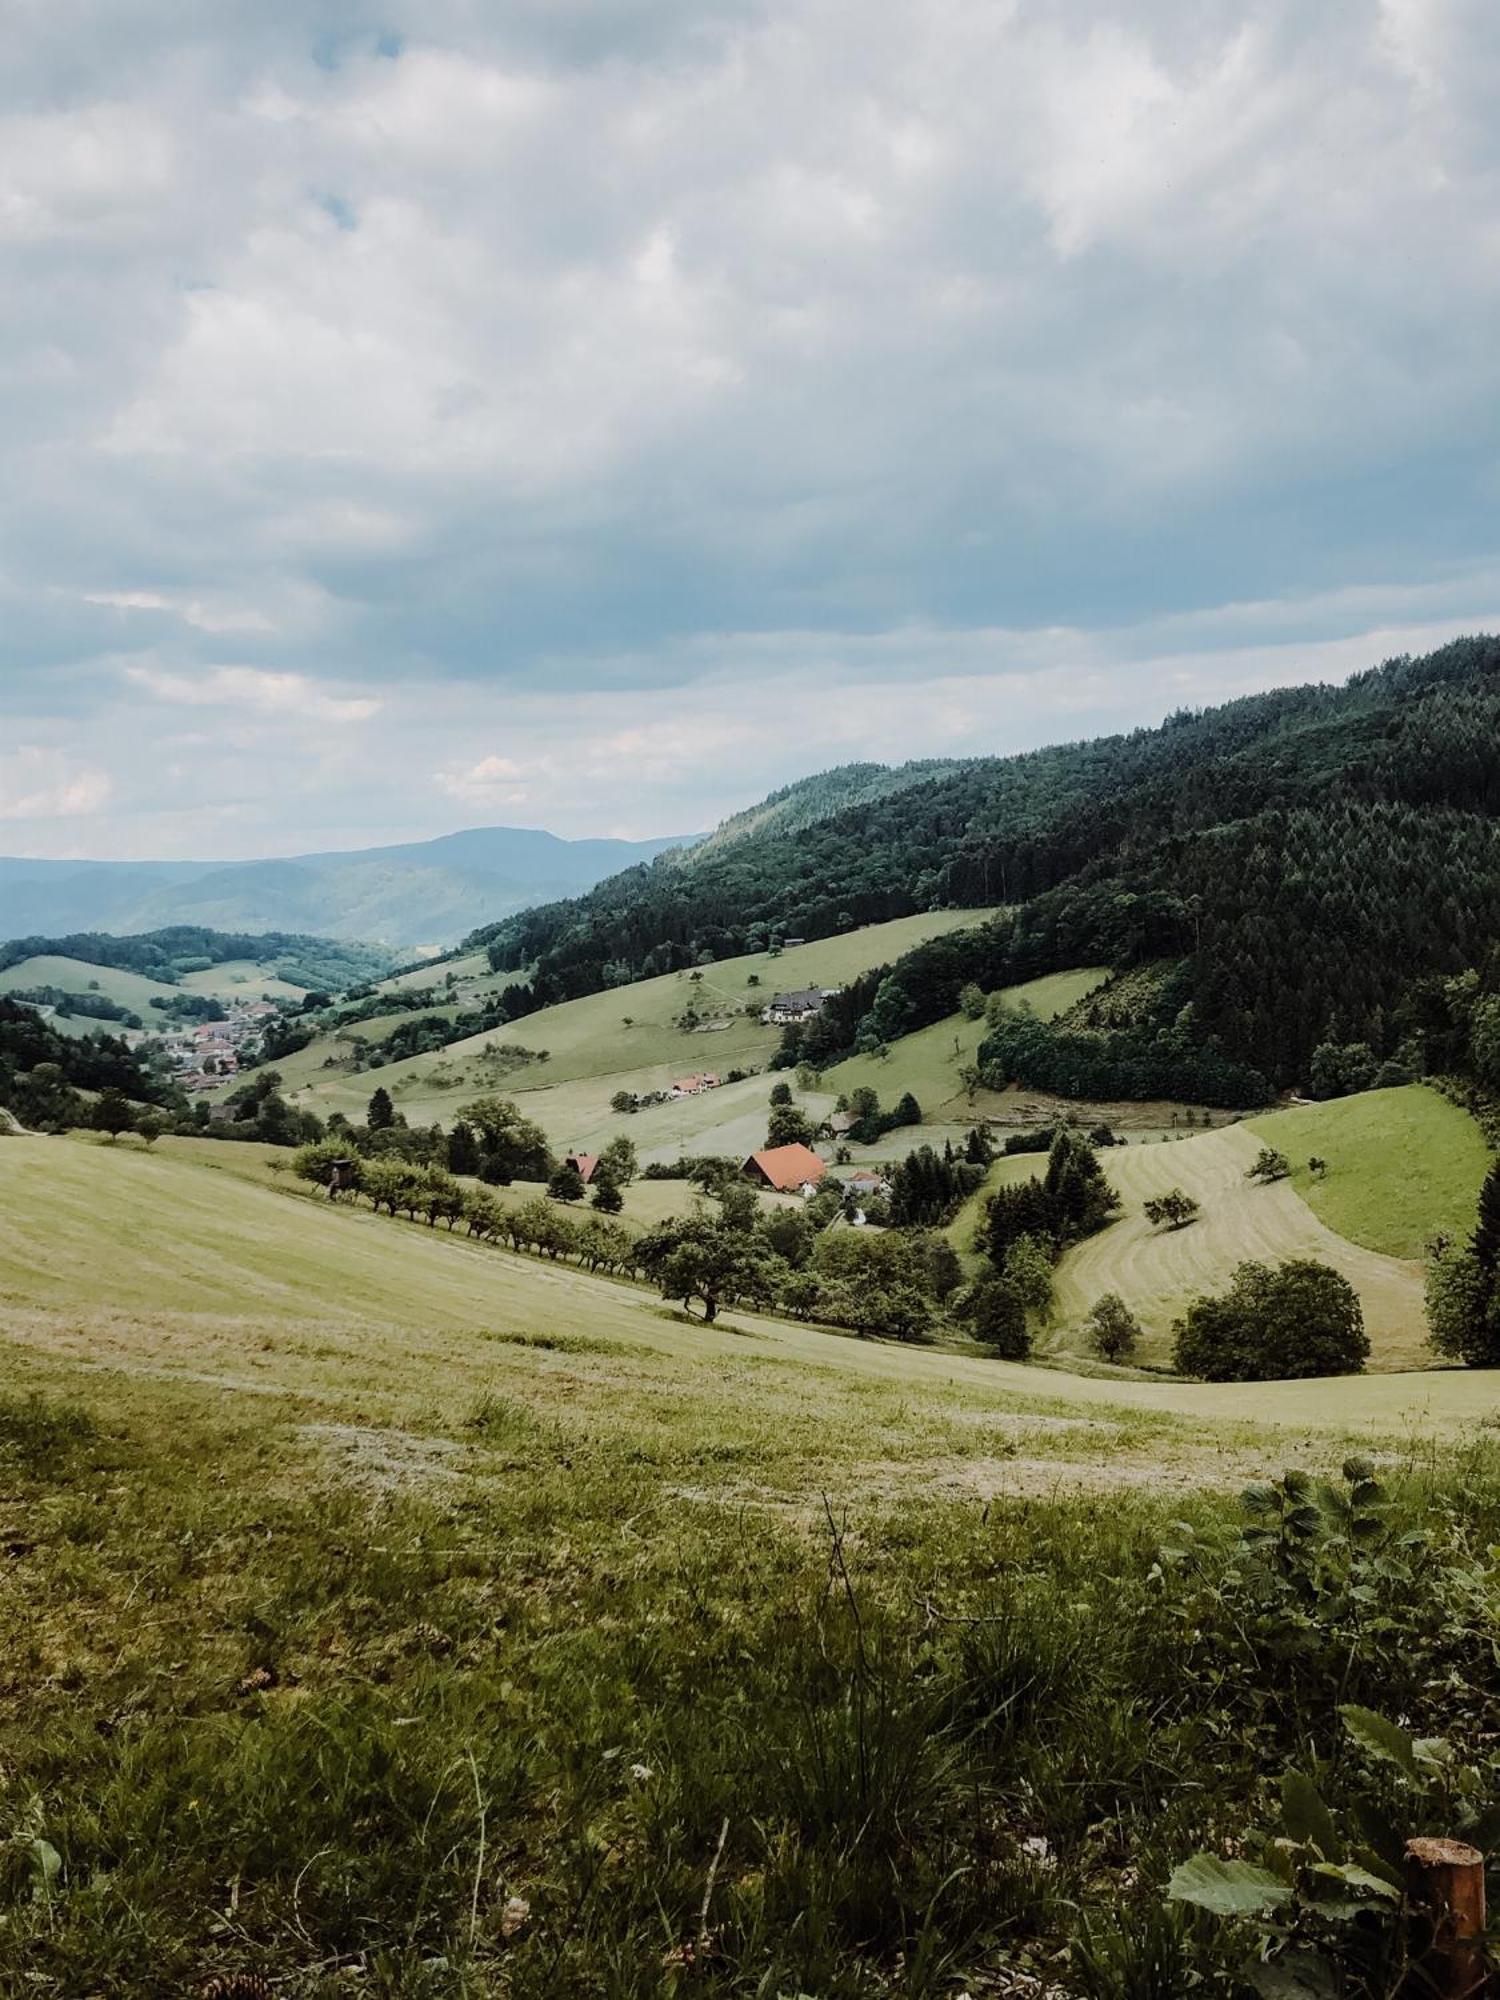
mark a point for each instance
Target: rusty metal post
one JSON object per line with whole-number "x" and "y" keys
{"x": 1445, "y": 1894}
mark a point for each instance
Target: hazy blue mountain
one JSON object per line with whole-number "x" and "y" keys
{"x": 425, "y": 892}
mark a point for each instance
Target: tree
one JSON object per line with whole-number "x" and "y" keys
{"x": 707, "y": 1259}
{"x": 1028, "y": 1269}
{"x": 1297, "y": 1319}
{"x": 463, "y": 1149}
{"x": 1463, "y": 1288}
{"x": 442, "y": 1197}
{"x": 971, "y": 1002}
{"x": 1174, "y": 1208}
{"x": 801, "y": 1295}
{"x": 483, "y": 1215}
{"x": 620, "y": 1157}
{"x": 608, "y": 1195}
{"x": 1112, "y": 1328}
{"x": 1268, "y": 1166}
{"x": 781, "y": 1093}
{"x": 380, "y": 1114}
{"x": 1463, "y": 1309}
{"x": 512, "y": 1148}
{"x": 895, "y": 1312}
{"x": 113, "y": 1113}
{"x": 1339, "y": 1070}
{"x": 790, "y": 1235}
{"x": 789, "y": 1126}
{"x": 624, "y": 1101}
{"x": 1486, "y": 1239}
{"x": 995, "y": 1311}
{"x": 566, "y": 1183}
{"x": 1317, "y": 1167}
{"x": 151, "y": 1125}
{"x": 328, "y": 1164}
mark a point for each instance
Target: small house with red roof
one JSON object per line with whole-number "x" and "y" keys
{"x": 585, "y": 1163}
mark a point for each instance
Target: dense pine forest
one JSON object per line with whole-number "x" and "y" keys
{"x": 1309, "y": 865}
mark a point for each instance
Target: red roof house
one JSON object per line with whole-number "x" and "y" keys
{"x": 585, "y": 1163}
{"x": 785, "y": 1168}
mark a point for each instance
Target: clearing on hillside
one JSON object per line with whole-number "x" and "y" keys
{"x": 929, "y": 1062}
{"x": 638, "y": 1038}
{"x": 74, "y": 975}
{"x": 1402, "y": 1165}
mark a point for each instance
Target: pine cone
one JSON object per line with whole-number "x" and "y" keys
{"x": 237, "y": 1986}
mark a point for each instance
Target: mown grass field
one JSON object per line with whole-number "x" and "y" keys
{"x": 625, "y": 1039}
{"x": 388, "y": 1615}
{"x": 1402, "y": 1165}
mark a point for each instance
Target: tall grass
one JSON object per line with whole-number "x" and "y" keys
{"x": 553, "y": 1730}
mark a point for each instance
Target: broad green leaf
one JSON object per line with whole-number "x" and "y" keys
{"x": 1381, "y": 1737}
{"x": 1352, "y": 1876}
{"x": 1306, "y": 1817}
{"x": 1227, "y": 1888}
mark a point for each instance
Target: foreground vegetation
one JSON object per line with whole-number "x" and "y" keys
{"x": 395, "y": 1617}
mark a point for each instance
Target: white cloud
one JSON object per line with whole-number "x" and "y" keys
{"x": 280, "y": 695}
{"x": 41, "y": 784}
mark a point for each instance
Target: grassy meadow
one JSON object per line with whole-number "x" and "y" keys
{"x": 625, "y": 1039}
{"x": 73, "y": 975}
{"x": 392, "y": 1615}
{"x": 928, "y": 1062}
{"x": 1402, "y": 1165}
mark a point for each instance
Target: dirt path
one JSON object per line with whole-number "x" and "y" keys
{"x": 1157, "y": 1272}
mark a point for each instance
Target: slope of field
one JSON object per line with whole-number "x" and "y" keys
{"x": 240, "y": 979}
{"x": 928, "y": 1063}
{"x": 1159, "y": 1272}
{"x": 114, "y": 1258}
{"x": 1401, "y": 1165}
{"x": 126, "y": 989}
{"x": 626, "y": 1039}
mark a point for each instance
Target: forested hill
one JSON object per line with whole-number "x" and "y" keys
{"x": 1307, "y": 854}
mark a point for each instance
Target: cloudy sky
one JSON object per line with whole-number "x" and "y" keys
{"x": 591, "y": 413}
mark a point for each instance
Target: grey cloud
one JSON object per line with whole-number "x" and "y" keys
{"x": 552, "y": 347}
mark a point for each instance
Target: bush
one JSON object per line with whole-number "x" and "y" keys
{"x": 1174, "y": 1208}
{"x": 1299, "y": 1319}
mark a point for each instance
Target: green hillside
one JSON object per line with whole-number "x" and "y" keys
{"x": 359, "y": 1572}
{"x": 1402, "y": 1165}
{"x": 626, "y": 1039}
{"x": 157, "y": 1263}
{"x": 928, "y": 1062}
{"x": 1299, "y": 862}
{"x": 73, "y": 975}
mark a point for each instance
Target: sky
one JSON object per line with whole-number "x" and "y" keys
{"x": 592, "y": 414}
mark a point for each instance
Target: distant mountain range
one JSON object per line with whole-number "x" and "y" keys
{"x": 430, "y": 892}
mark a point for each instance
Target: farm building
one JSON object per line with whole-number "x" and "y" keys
{"x": 585, "y": 1163}
{"x": 786, "y": 1169}
{"x": 693, "y": 1086}
{"x": 864, "y": 1181}
{"x": 801, "y": 1005}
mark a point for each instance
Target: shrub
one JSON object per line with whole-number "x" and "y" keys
{"x": 1174, "y": 1208}
{"x": 1268, "y": 1165}
{"x": 1300, "y": 1318}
